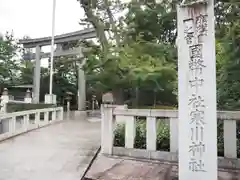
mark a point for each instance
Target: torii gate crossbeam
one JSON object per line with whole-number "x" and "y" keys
{"x": 59, "y": 40}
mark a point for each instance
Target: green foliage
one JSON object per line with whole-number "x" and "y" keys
{"x": 8, "y": 62}
{"x": 140, "y": 138}
{"x": 135, "y": 65}
{"x": 119, "y": 135}
{"x": 138, "y": 61}
{"x": 228, "y": 70}
{"x": 151, "y": 20}
{"x": 15, "y": 107}
{"x": 163, "y": 136}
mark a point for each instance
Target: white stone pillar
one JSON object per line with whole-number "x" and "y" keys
{"x": 37, "y": 75}
{"x": 28, "y": 97}
{"x": 81, "y": 90}
{"x": 107, "y": 128}
{"x": 197, "y": 91}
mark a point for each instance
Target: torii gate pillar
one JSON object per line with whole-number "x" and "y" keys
{"x": 81, "y": 90}
{"x": 37, "y": 75}
{"x": 197, "y": 91}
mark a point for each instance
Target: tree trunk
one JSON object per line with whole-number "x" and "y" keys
{"x": 118, "y": 96}
{"x": 97, "y": 24}
{"x": 155, "y": 99}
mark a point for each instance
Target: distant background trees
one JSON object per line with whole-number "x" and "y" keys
{"x": 135, "y": 56}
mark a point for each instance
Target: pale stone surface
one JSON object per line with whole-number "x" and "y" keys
{"x": 122, "y": 168}
{"x": 61, "y": 151}
{"x": 50, "y": 99}
{"x": 151, "y": 133}
{"x": 81, "y": 90}
{"x": 197, "y": 92}
{"x": 37, "y": 75}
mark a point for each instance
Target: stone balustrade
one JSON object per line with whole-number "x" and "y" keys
{"x": 112, "y": 114}
{"x": 16, "y": 123}
{"x": 7, "y": 98}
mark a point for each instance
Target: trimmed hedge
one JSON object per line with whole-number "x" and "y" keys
{"x": 16, "y": 107}
{"x": 163, "y": 136}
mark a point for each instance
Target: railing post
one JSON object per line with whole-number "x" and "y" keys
{"x": 130, "y": 131}
{"x": 12, "y": 124}
{"x": 61, "y": 114}
{"x": 26, "y": 121}
{"x": 107, "y": 129}
{"x": 54, "y": 115}
{"x": 151, "y": 133}
{"x": 37, "y": 118}
{"x": 173, "y": 134}
{"x": 230, "y": 141}
{"x": 46, "y": 117}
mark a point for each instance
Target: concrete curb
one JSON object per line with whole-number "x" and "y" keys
{"x": 90, "y": 164}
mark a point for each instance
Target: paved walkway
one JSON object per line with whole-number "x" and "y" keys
{"x": 57, "y": 152}
{"x": 123, "y": 168}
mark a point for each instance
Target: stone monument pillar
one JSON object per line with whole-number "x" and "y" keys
{"x": 37, "y": 75}
{"x": 197, "y": 91}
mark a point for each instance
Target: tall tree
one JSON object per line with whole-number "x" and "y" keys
{"x": 8, "y": 60}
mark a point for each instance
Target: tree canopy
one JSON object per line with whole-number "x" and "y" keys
{"x": 135, "y": 57}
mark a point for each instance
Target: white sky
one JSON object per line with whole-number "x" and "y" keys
{"x": 34, "y": 17}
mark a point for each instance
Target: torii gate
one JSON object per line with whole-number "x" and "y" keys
{"x": 59, "y": 41}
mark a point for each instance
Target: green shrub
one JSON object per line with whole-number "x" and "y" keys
{"x": 220, "y": 139}
{"x": 163, "y": 136}
{"x": 140, "y": 138}
{"x": 16, "y": 107}
{"x": 119, "y": 135}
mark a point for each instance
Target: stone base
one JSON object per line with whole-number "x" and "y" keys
{"x": 50, "y": 99}
{"x": 122, "y": 167}
{"x": 80, "y": 115}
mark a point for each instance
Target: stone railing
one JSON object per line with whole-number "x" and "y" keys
{"x": 12, "y": 124}
{"x": 7, "y": 98}
{"x": 111, "y": 114}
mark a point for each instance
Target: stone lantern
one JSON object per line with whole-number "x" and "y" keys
{"x": 107, "y": 98}
{"x": 68, "y": 98}
{"x": 93, "y": 102}
{"x": 28, "y": 97}
{"x": 5, "y": 92}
